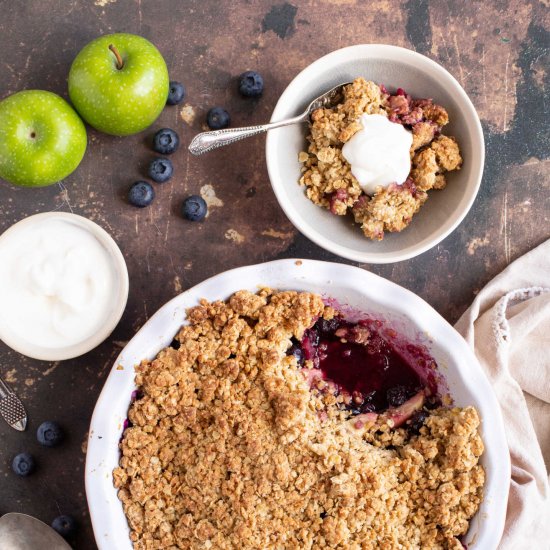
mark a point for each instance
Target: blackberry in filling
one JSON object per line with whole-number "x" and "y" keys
{"x": 377, "y": 372}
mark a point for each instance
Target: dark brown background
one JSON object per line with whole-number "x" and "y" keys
{"x": 497, "y": 50}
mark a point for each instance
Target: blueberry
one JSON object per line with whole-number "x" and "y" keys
{"x": 141, "y": 194}
{"x": 368, "y": 407}
{"x": 251, "y": 84}
{"x": 416, "y": 421}
{"x": 176, "y": 93}
{"x": 161, "y": 170}
{"x": 166, "y": 141}
{"x": 136, "y": 395}
{"x": 23, "y": 464}
{"x": 176, "y": 344}
{"x": 326, "y": 327}
{"x": 396, "y": 396}
{"x": 433, "y": 402}
{"x": 217, "y": 118}
{"x": 64, "y": 525}
{"x": 50, "y": 434}
{"x": 296, "y": 351}
{"x": 313, "y": 337}
{"x": 194, "y": 208}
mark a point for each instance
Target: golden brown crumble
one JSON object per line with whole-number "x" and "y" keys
{"x": 327, "y": 175}
{"x": 230, "y": 448}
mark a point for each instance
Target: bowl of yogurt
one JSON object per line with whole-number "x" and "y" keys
{"x": 63, "y": 286}
{"x": 378, "y": 154}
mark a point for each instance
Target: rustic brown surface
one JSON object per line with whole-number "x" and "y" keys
{"x": 497, "y": 50}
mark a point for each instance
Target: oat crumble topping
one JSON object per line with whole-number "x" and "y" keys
{"x": 327, "y": 175}
{"x": 229, "y": 447}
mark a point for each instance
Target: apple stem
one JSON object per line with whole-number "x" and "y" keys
{"x": 119, "y": 61}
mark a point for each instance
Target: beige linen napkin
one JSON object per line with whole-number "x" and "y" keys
{"x": 508, "y": 326}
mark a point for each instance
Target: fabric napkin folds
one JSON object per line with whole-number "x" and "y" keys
{"x": 508, "y": 327}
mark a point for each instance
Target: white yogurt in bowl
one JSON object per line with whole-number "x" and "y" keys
{"x": 63, "y": 286}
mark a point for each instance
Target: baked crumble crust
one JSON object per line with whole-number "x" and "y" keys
{"x": 327, "y": 175}
{"x": 229, "y": 447}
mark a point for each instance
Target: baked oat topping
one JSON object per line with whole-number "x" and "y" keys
{"x": 327, "y": 175}
{"x": 229, "y": 446}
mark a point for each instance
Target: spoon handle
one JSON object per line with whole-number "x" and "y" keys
{"x": 206, "y": 141}
{"x": 11, "y": 408}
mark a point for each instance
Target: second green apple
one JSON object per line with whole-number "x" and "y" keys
{"x": 119, "y": 84}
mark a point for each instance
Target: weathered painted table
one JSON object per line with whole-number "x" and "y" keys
{"x": 497, "y": 50}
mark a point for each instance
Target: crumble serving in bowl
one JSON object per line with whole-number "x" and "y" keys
{"x": 328, "y": 172}
{"x": 273, "y": 422}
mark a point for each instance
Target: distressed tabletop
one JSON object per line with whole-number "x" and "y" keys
{"x": 497, "y": 50}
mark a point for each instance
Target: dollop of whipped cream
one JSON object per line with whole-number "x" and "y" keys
{"x": 379, "y": 154}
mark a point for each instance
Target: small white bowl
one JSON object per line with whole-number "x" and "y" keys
{"x": 119, "y": 292}
{"x": 393, "y": 67}
{"x": 348, "y": 285}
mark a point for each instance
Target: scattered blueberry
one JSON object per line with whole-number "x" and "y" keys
{"x": 64, "y": 525}
{"x": 23, "y": 464}
{"x": 166, "y": 141}
{"x": 161, "y": 170}
{"x": 176, "y": 93}
{"x": 396, "y": 396}
{"x": 194, "y": 208}
{"x": 50, "y": 434}
{"x": 218, "y": 118}
{"x": 141, "y": 194}
{"x": 251, "y": 84}
{"x": 416, "y": 421}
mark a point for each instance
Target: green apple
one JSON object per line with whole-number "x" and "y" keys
{"x": 42, "y": 139}
{"x": 119, "y": 84}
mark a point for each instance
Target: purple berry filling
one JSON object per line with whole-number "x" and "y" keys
{"x": 375, "y": 369}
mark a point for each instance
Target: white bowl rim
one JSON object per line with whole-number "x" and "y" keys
{"x": 497, "y": 480}
{"x": 70, "y": 352}
{"x": 343, "y": 54}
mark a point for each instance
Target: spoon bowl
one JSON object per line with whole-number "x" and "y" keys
{"x": 23, "y": 532}
{"x": 327, "y": 100}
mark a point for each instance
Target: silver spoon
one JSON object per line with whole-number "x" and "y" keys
{"x": 206, "y": 141}
{"x": 11, "y": 408}
{"x": 22, "y": 532}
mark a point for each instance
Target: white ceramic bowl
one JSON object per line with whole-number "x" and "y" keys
{"x": 348, "y": 285}
{"x": 394, "y": 67}
{"x": 119, "y": 292}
